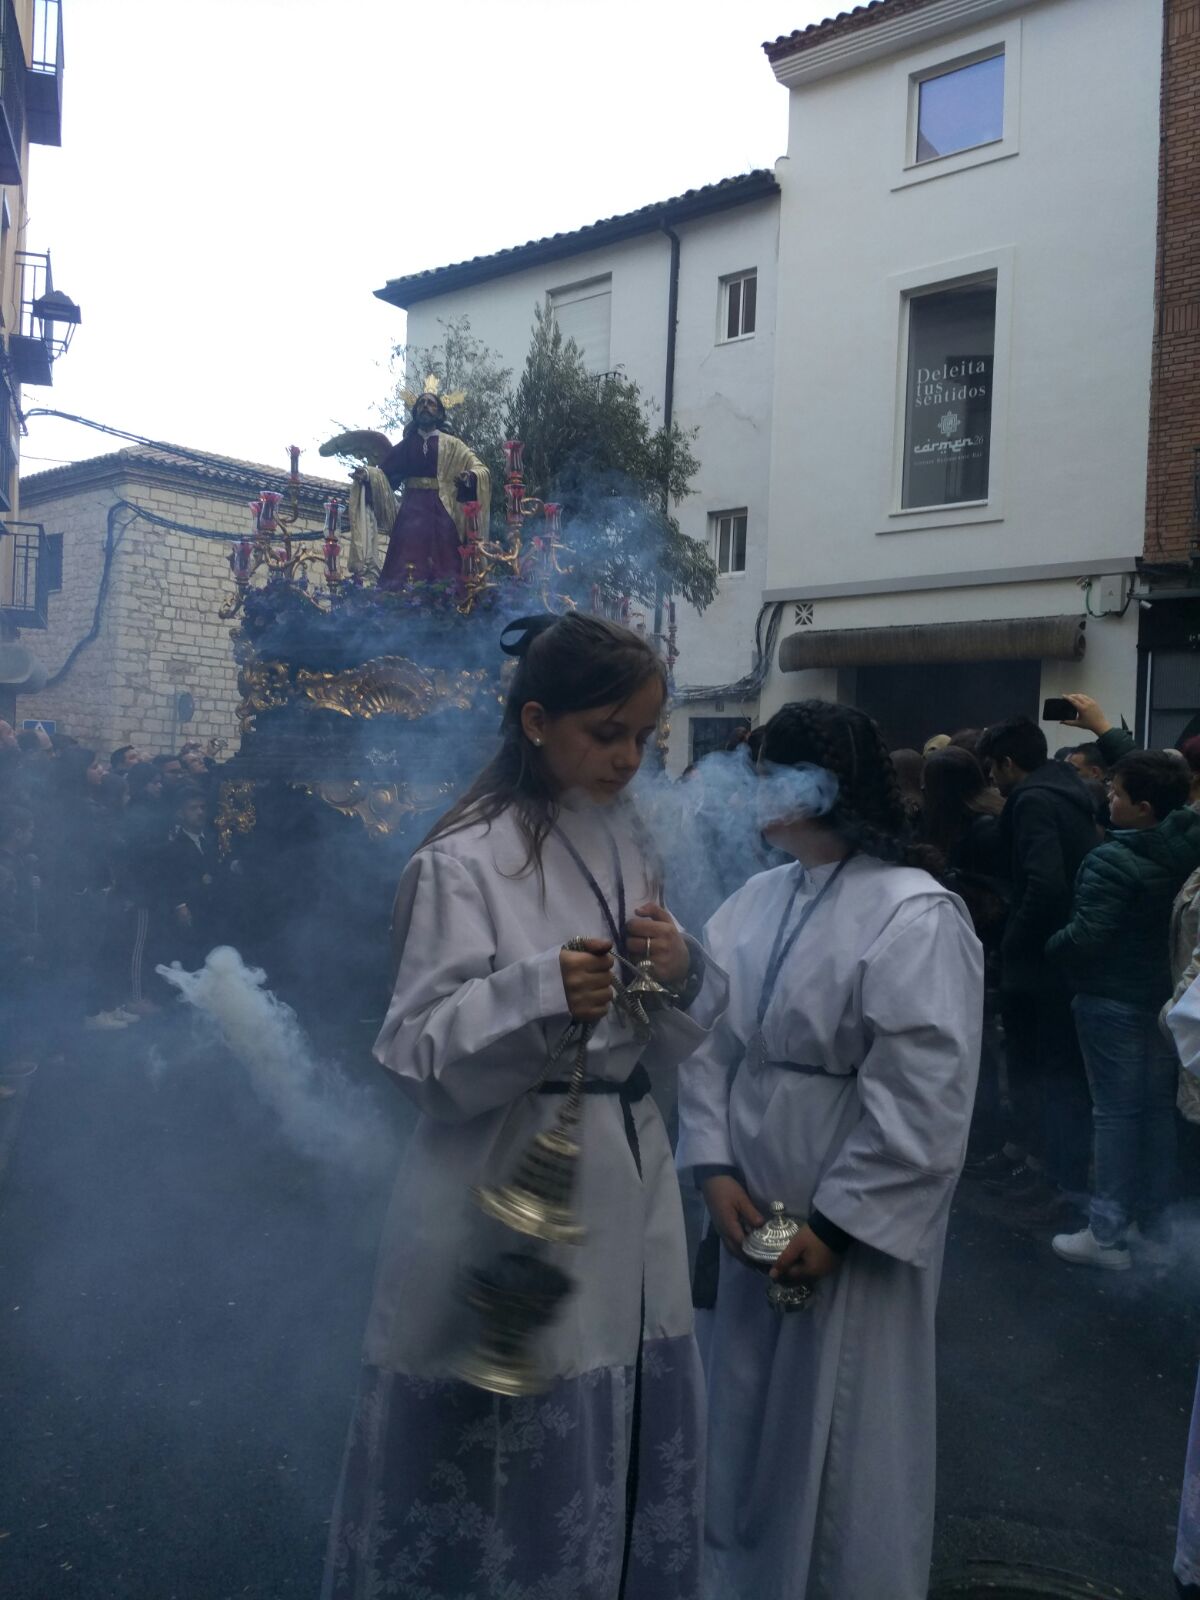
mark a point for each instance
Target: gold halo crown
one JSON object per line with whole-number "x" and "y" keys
{"x": 432, "y": 385}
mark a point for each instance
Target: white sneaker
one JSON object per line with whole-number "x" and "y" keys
{"x": 127, "y": 1017}
{"x": 1084, "y": 1249}
{"x": 104, "y": 1022}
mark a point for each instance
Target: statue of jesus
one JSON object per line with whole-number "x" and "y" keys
{"x": 437, "y": 474}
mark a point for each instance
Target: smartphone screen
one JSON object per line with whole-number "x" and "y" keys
{"x": 1059, "y": 711}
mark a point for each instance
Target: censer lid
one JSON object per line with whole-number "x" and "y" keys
{"x": 772, "y": 1237}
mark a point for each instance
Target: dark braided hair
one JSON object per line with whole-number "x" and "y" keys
{"x": 869, "y": 813}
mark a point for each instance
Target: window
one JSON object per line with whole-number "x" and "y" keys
{"x": 960, "y": 108}
{"x": 10, "y": 448}
{"x": 729, "y": 540}
{"x": 583, "y": 312}
{"x": 706, "y": 734}
{"x": 52, "y": 562}
{"x": 739, "y": 306}
{"x": 948, "y": 389}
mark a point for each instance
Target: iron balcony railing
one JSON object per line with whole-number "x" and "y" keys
{"x": 43, "y": 83}
{"x": 30, "y": 601}
{"x": 48, "y": 319}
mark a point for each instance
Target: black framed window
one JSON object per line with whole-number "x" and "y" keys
{"x": 948, "y": 395}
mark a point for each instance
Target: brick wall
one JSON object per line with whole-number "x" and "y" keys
{"x": 1175, "y": 393}
{"x": 161, "y": 633}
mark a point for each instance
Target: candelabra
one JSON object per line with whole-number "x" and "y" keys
{"x": 533, "y": 557}
{"x": 271, "y": 548}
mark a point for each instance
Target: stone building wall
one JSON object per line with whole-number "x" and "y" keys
{"x": 161, "y": 633}
{"x": 78, "y": 703}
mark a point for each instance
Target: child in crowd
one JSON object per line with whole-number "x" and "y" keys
{"x": 1115, "y": 950}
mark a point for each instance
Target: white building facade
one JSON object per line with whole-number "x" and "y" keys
{"x": 710, "y": 257}
{"x": 963, "y": 357}
{"x": 923, "y": 465}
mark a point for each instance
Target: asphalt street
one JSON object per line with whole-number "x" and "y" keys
{"x": 182, "y": 1300}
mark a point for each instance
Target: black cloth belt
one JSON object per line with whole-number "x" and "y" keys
{"x": 807, "y": 1070}
{"x": 634, "y": 1088}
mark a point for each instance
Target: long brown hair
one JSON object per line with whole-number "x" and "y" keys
{"x": 571, "y": 663}
{"x": 956, "y": 792}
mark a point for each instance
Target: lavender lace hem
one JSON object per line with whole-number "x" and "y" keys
{"x": 1187, "y": 1549}
{"x": 448, "y": 1493}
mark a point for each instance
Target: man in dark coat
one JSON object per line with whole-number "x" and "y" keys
{"x": 1047, "y": 827}
{"x": 18, "y": 943}
{"x": 189, "y": 877}
{"x": 1116, "y": 952}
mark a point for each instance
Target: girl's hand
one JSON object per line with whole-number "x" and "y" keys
{"x": 806, "y": 1259}
{"x": 587, "y": 979}
{"x": 667, "y": 949}
{"x": 733, "y": 1212}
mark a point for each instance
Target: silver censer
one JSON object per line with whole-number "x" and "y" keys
{"x": 763, "y": 1248}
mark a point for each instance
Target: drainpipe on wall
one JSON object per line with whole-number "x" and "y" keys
{"x": 668, "y": 390}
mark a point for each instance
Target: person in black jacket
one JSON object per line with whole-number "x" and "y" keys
{"x": 1047, "y": 827}
{"x": 145, "y": 825}
{"x": 962, "y": 823}
{"x": 189, "y": 876}
{"x": 19, "y": 886}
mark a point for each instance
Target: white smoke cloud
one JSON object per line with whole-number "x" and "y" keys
{"x": 320, "y": 1113}
{"x": 793, "y": 794}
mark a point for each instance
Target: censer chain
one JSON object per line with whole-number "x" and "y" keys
{"x": 625, "y": 1003}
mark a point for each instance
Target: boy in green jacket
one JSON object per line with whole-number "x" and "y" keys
{"x": 1115, "y": 951}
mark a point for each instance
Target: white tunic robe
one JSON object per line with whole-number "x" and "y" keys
{"x": 448, "y": 1492}
{"x": 822, "y": 1421}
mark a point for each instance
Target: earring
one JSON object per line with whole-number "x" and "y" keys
{"x": 537, "y": 744}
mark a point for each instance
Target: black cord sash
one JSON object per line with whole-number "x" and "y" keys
{"x": 617, "y": 923}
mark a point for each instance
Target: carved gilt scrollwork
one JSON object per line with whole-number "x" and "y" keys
{"x": 380, "y": 807}
{"x": 235, "y": 813}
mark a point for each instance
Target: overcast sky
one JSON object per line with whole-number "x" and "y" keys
{"x": 235, "y": 179}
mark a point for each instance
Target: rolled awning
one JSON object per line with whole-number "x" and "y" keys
{"x": 930, "y": 643}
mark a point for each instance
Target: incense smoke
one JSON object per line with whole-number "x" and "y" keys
{"x": 708, "y": 827}
{"x": 793, "y": 794}
{"x": 321, "y": 1114}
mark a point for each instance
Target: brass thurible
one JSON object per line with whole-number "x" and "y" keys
{"x": 537, "y": 1199}
{"x": 518, "y": 1292}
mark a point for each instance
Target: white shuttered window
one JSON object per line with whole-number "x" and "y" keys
{"x": 583, "y": 312}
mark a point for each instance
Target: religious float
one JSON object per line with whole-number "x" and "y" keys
{"x": 372, "y": 682}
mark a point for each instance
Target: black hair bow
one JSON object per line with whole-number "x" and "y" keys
{"x": 526, "y": 630}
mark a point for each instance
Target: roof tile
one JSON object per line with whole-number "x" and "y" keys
{"x": 693, "y": 202}
{"x": 789, "y": 44}
{"x": 228, "y": 470}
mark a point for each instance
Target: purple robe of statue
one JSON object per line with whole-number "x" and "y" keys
{"x": 424, "y": 537}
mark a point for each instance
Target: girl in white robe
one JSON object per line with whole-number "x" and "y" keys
{"x": 592, "y": 1490}
{"x": 840, "y": 1081}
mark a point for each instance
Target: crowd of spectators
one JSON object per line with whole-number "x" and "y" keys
{"x": 108, "y": 867}
{"x": 1082, "y": 874}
